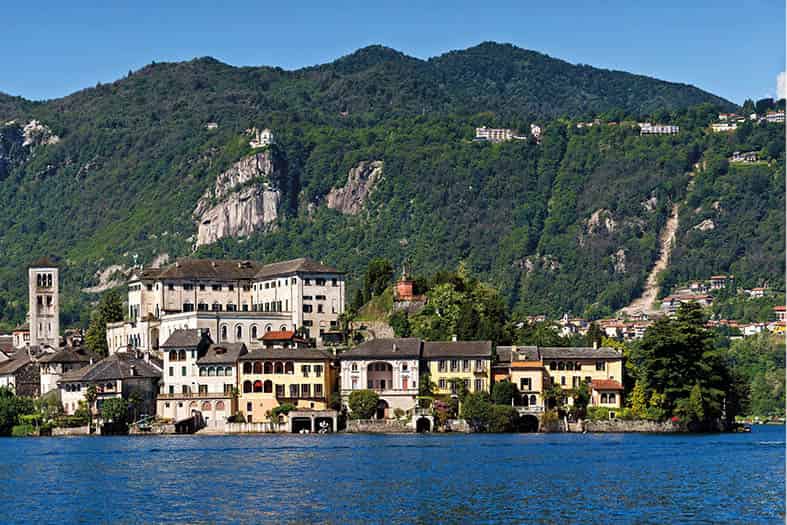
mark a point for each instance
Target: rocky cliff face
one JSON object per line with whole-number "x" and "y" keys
{"x": 242, "y": 200}
{"x": 350, "y": 198}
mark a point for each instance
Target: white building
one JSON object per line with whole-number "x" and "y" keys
{"x": 775, "y": 116}
{"x": 261, "y": 138}
{"x": 44, "y": 305}
{"x": 235, "y": 301}
{"x": 494, "y": 134}
{"x": 198, "y": 377}
{"x": 53, "y": 366}
{"x": 722, "y": 127}
{"x": 646, "y": 128}
{"x": 390, "y": 367}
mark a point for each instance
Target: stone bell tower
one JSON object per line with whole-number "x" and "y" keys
{"x": 44, "y": 309}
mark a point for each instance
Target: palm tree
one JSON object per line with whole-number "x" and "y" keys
{"x": 90, "y": 397}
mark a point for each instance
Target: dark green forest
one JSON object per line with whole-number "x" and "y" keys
{"x": 567, "y": 225}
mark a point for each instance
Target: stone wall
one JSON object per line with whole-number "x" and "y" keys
{"x": 380, "y": 426}
{"x": 252, "y": 428}
{"x": 636, "y": 425}
{"x": 71, "y": 431}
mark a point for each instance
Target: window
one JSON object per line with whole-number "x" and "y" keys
{"x": 188, "y": 286}
{"x": 552, "y": 365}
{"x": 294, "y": 280}
{"x": 247, "y": 368}
{"x": 563, "y": 380}
{"x": 202, "y": 288}
{"x": 188, "y": 307}
{"x": 319, "y": 297}
{"x": 224, "y": 333}
{"x": 183, "y": 370}
{"x": 306, "y": 390}
{"x": 171, "y": 389}
{"x": 604, "y": 398}
{"x": 465, "y": 365}
{"x": 561, "y": 365}
{"x": 319, "y": 309}
{"x": 525, "y": 384}
{"x": 228, "y": 371}
{"x": 307, "y": 308}
{"x": 600, "y": 365}
{"x": 216, "y": 307}
{"x": 246, "y": 387}
{"x": 404, "y": 367}
{"x": 293, "y": 391}
{"x": 611, "y": 398}
{"x": 308, "y": 322}
{"x": 170, "y": 287}
{"x": 307, "y": 297}
{"x": 171, "y": 371}
{"x": 305, "y": 370}
{"x": 575, "y": 381}
{"x": 354, "y": 367}
{"x": 203, "y": 389}
{"x": 279, "y": 390}
{"x": 216, "y": 287}
{"x": 231, "y": 287}
{"x": 150, "y": 287}
{"x": 454, "y": 365}
{"x": 354, "y": 383}
{"x": 319, "y": 282}
{"x": 441, "y": 383}
{"x": 318, "y": 390}
{"x": 238, "y": 332}
{"x": 307, "y": 282}
{"x": 441, "y": 365}
{"x": 202, "y": 371}
{"x": 185, "y": 389}
{"x": 479, "y": 364}
{"x": 267, "y": 368}
{"x": 479, "y": 385}
{"x": 232, "y": 307}
{"x": 334, "y": 282}
{"x": 569, "y": 366}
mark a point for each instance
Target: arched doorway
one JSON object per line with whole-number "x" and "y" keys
{"x": 300, "y": 424}
{"x": 528, "y": 423}
{"x": 323, "y": 425}
{"x": 382, "y": 410}
{"x": 423, "y": 425}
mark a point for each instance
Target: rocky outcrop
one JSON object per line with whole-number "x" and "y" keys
{"x": 37, "y": 134}
{"x": 242, "y": 200}
{"x": 705, "y": 225}
{"x": 599, "y": 221}
{"x": 350, "y": 198}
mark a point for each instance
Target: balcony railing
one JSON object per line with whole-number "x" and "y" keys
{"x": 195, "y": 395}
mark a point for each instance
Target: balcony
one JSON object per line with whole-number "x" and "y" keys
{"x": 196, "y": 395}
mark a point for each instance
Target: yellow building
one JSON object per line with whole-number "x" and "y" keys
{"x": 451, "y": 361}
{"x": 269, "y": 377}
{"x": 534, "y": 369}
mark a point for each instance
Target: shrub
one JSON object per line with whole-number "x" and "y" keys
{"x": 22, "y": 430}
{"x": 502, "y": 418}
{"x": 363, "y": 403}
{"x": 398, "y": 412}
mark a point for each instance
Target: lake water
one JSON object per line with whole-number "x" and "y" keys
{"x": 524, "y": 478}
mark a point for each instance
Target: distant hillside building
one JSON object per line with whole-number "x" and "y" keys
{"x": 745, "y": 157}
{"x": 494, "y": 134}
{"x": 722, "y": 127}
{"x": 261, "y": 138}
{"x": 776, "y": 117}
{"x": 646, "y": 128}
{"x": 717, "y": 282}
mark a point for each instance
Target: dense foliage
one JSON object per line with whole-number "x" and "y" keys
{"x": 363, "y": 403}
{"x": 679, "y": 372}
{"x": 135, "y": 156}
{"x": 759, "y": 361}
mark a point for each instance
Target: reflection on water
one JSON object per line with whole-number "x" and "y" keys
{"x": 396, "y": 479}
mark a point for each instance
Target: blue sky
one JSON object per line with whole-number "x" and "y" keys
{"x": 735, "y": 49}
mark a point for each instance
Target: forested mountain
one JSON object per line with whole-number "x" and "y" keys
{"x": 113, "y": 174}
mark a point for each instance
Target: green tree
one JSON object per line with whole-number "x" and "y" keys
{"x": 363, "y": 404}
{"x": 581, "y": 397}
{"x": 109, "y": 310}
{"x": 379, "y": 274}
{"x": 400, "y": 322}
{"x": 504, "y": 392}
{"x": 677, "y": 357}
{"x": 476, "y": 410}
{"x": 114, "y": 412}
{"x": 91, "y": 394}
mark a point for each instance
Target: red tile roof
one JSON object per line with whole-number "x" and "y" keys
{"x": 278, "y": 335}
{"x": 779, "y": 308}
{"x": 606, "y": 384}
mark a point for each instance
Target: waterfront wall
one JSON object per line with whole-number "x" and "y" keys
{"x": 252, "y": 428}
{"x": 71, "y": 431}
{"x": 634, "y": 425}
{"x": 386, "y": 426}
